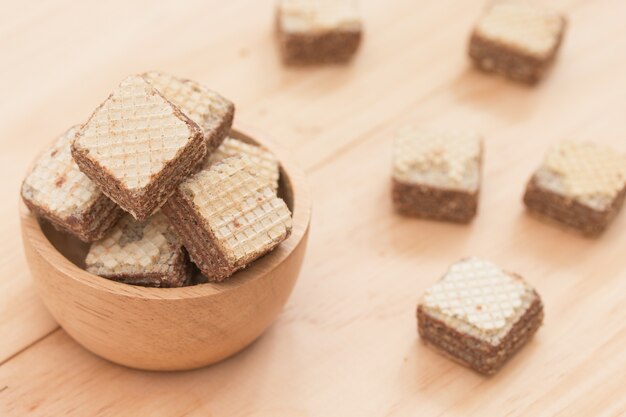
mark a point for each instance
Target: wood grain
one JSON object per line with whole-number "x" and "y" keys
{"x": 347, "y": 342}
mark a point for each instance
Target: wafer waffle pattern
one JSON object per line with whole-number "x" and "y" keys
{"x": 594, "y": 175}
{"x": 212, "y": 112}
{"x": 524, "y": 27}
{"x": 143, "y": 253}
{"x": 479, "y": 315}
{"x": 318, "y": 15}
{"x": 265, "y": 164}
{"x": 137, "y": 147}
{"x": 449, "y": 160}
{"x": 476, "y": 297}
{"x": 228, "y": 217}
{"x": 60, "y": 192}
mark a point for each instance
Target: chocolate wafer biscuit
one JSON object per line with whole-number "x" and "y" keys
{"x": 436, "y": 174}
{"x": 212, "y": 112}
{"x": 318, "y": 31}
{"x": 517, "y": 40}
{"x": 138, "y": 147}
{"x": 266, "y": 166}
{"x": 580, "y": 184}
{"x": 141, "y": 253}
{"x": 56, "y": 190}
{"x": 479, "y": 315}
{"x": 227, "y": 217}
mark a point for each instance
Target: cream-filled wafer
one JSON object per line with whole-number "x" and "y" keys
{"x": 479, "y": 315}
{"x": 227, "y": 217}
{"x": 212, "y": 112}
{"x": 517, "y": 40}
{"x": 579, "y": 184}
{"x": 138, "y": 147}
{"x": 147, "y": 253}
{"x": 56, "y": 190}
{"x": 437, "y": 173}
{"x": 266, "y": 166}
{"x": 318, "y": 31}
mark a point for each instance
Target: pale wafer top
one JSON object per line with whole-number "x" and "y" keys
{"x": 136, "y": 248}
{"x": 478, "y": 298}
{"x": 55, "y": 183}
{"x": 242, "y": 211}
{"x": 266, "y": 165}
{"x": 318, "y": 15}
{"x": 135, "y": 132}
{"x": 202, "y": 105}
{"x": 442, "y": 159}
{"x": 592, "y": 174}
{"x": 525, "y": 27}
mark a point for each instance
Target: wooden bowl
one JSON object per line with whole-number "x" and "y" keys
{"x": 168, "y": 328}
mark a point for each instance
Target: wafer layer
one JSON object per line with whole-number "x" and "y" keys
{"x": 58, "y": 191}
{"x": 138, "y": 147}
{"x": 228, "y": 217}
{"x": 265, "y": 164}
{"x": 212, "y": 112}
{"x": 141, "y": 253}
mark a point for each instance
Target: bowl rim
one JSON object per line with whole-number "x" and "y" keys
{"x": 301, "y": 213}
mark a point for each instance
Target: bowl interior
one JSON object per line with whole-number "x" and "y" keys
{"x": 75, "y": 250}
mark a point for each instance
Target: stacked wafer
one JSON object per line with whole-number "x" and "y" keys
{"x": 158, "y": 138}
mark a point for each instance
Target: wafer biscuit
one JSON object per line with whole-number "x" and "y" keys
{"x": 56, "y": 190}
{"x": 138, "y": 147}
{"x": 479, "y": 315}
{"x": 318, "y": 31}
{"x": 579, "y": 184}
{"x": 212, "y": 112}
{"x": 436, "y": 174}
{"x": 266, "y": 166}
{"x": 517, "y": 40}
{"x": 227, "y": 217}
{"x": 141, "y": 253}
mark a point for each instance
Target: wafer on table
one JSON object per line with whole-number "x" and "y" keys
{"x": 479, "y": 315}
{"x": 266, "y": 166}
{"x": 145, "y": 253}
{"x": 56, "y": 190}
{"x": 436, "y": 174}
{"x": 318, "y": 31}
{"x": 138, "y": 147}
{"x": 212, "y": 112}
{"x": 227, "y": 217}
{"x": 517, "y": 40}
{"x": 580, "y": 185}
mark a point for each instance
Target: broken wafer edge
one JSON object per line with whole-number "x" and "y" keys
{"x": 56, "y": 190}
{"x": 227, "y": 217}
{"x": 137, "y": 146}
{"x": 211, "y": 111}
{"x": 141, "y": 253}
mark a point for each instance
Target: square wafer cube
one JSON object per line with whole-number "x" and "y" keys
{"x": 517, "y": 40}
{"x": 479, "y": 315}
{"x": 212, "y": 112}
{"x": 266, "y": 166}
{"x": 436, "y": 174}
{"x": 145, "y": 253}
{"x": 580, "y": 184}
{"x": 227, "y": 217}
{"x": 318, "y": 31}
{"x": 138, "y": 147}
{"x": 56, "y": 190}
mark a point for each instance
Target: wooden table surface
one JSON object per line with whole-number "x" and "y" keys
{"x": 346, "y": 344}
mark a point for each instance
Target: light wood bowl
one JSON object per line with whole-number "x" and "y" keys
{"x": 169, "y": 328}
